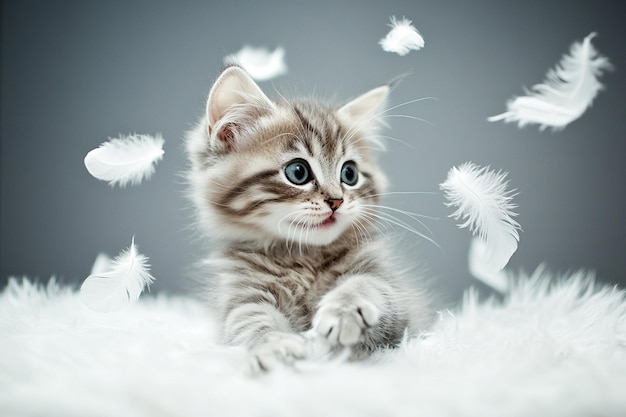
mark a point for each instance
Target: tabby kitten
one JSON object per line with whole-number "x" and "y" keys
{"x": 288, "y": 189}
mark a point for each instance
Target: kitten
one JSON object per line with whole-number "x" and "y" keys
{"x": 288, "y": 189}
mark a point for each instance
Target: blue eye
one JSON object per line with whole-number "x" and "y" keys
{"x": 349, "y": 173}
{"x": 298, "y": 172}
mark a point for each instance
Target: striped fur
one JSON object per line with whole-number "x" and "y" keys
{"x": 287, "y": 262}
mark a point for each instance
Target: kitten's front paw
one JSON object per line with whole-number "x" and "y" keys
{"x": 345, "y": 322}
{"x": 278, "y": 348}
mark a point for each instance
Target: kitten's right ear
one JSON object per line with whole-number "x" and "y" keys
{"x": 234, "y": 98}
{"x": 365, "y": 110}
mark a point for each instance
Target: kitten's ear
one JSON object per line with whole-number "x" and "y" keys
{"x": 234, "y": 99}
{"x": 364, "y": 111}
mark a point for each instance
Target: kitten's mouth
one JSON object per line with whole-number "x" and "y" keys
{"x": 328, "y": 222}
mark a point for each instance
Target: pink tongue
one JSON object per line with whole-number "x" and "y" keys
{"x": 328, "y": 221}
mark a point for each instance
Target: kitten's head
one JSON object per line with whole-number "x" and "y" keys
{"x": 276, "y": 170}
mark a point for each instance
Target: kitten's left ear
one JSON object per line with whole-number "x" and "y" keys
{"x": 364, "y": 111}
{"x": 233, "y": 100}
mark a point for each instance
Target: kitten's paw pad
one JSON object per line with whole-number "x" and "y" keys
{"x": 277, "y": 349}
{"x": 345, "y": 324}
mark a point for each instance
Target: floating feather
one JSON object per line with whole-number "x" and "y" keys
{"x": 402, "y": 38}
{"x": 486, "y": 207}
{"x": 109, "y": 291}
{"x": 568, "y": 90}
{"x": 482, "y": 270}
{"x": 102, "y": 264}
{"x": 128, "y": 159}
{"x": 260, "y": 63}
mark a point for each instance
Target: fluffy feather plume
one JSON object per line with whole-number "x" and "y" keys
{"x": 486, "y": 207}
{"x": 402, "y": 38}
{"x": 260, "y": 63}
{"x": 128, "y": 159}
{"x": 109, "y": 291}
{"x": 568, "y": 90}
{"x": 480, "y": 268}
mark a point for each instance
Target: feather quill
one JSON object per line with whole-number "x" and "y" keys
{"x": 129, "y": 159}
{"x": 483, "y": 202}
{"x": 567, "y": 92}
{"x": 482, "y": 270}
{"x": 260, "y": 63}
{"x": 402, "y": 38}
{"x": 109, "y": 291}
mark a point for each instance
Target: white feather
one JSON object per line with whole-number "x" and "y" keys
{"x": 486, "y": 207}
{"x": 261, "y": 64}
{"x": 568, "y": 90}
{"x": 109, "y": 291}
{"x": 482, "y": 269}
{"x": 402, "y": 38}
{"x": 128, "y": 159}
{"x": 102, "y": 264}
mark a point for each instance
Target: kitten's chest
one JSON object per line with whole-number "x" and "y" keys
{"x": 296, "y": 279}
{"x": 292, "y": 281}
{"x": 308, "y": 278}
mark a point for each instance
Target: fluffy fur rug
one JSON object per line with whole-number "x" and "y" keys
{"x": 548, "y": 349}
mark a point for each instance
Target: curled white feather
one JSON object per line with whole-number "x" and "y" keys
{"x": 127, "y": 276}
{"x": 481, "y": 269}
{"x": 402, "y": 38}
{"x": 483, "y": 202}
{"x": 567, "y": 92}
{"x": 260, "y": 63}
{"x": 124, "y": 160}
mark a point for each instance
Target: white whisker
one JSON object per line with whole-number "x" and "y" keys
{"x": 382, "y": 228}
{"x": 409, "y": 102}
{"x": 300, "y": 239}
{"x": 306, "y": 238}
{"x": 376, "y": 224}
{"x": 414, "y": 216}
{"x": 294, "y": 224}
{"x": 364, "y": 228}
{"x": 359, "y": 230}
{"x": 402, "y": 192}
{"x": 382, "y": 115}
{"x": 283, "y": 218}
{"x": 409, "y": 117}
{"x": 381, "y": 146}
{"x": 395, "y": 221}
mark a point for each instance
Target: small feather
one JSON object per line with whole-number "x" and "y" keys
{"x": 402, "y": 38}
{"x": 109, "y": 291}
{"x": 482, "y": 270}
{"x": 486, "y": 207}
{"x": 128, "y": 159}
{"x": 102, "y": 263}
{"x": 567, "y": 92}
{"x": 260, "y": 63}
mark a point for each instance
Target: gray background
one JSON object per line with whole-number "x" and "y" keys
{"x": 75, "y": 73}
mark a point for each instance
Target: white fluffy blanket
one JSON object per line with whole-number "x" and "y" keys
{"x": 547, "y": 350}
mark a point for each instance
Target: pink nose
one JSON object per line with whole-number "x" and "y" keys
{"x": 334, "y": 203}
